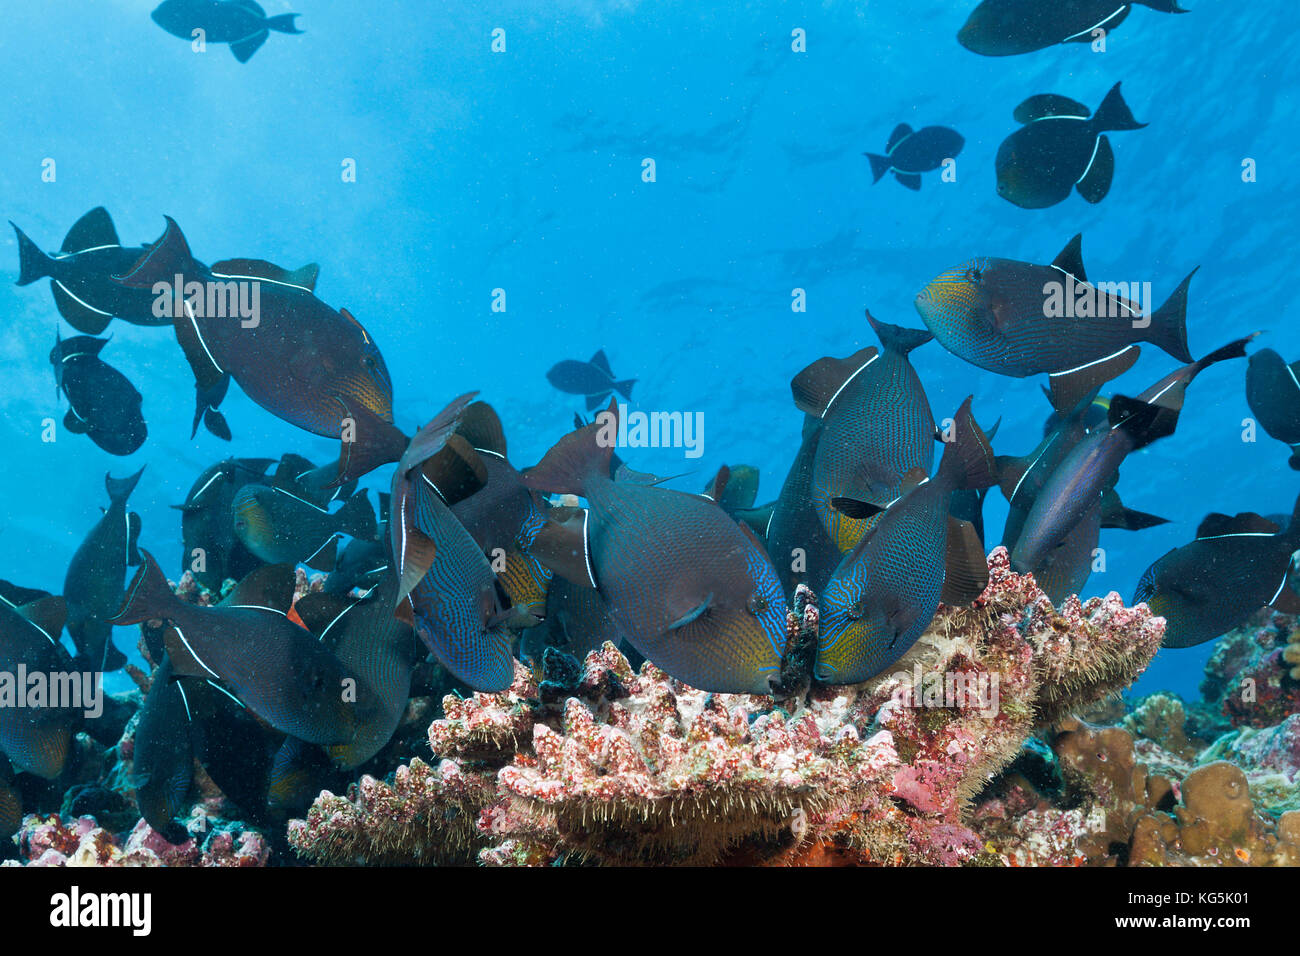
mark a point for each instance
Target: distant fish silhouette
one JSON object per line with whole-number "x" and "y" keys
{"x": 912, "y": 152}
{"x": 241, "y": 23}
{"x": 593, "y": 379}
{"x": 1008, "y": 27}
{"x": 1273, "y": 394}
{"x": 1061, "y": 147}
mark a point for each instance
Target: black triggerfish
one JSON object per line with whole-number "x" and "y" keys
{"x": 909, "y": 153}
{"x": 103, "y": 405}
{"x": 1273, "y": 394}
{"x": 241, "y": 23}
{"x": 1008, "y": 27}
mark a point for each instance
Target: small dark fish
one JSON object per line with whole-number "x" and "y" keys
{"x": 801, "y": 550}
{"x": 241, "y": 23}
{"x": 909, "y": 153}
{"x": 886, "y": 591}
{"x": 298, "y": 358}
{"x": 593, "y": 379}
{"x": 1092, "y": 466}
{"x": 93, "y": 583}
{"x": 279, "y": 670}
{"x": 1273, "y": 394}
{"x": 163, "y": 761}
{"x": 447, "y": 590}
{"x": 279, "y": 527}
{"x": 81, "y": 275}
{"x": 734, "y": 489}
{"x": 691, "y": 588}
{"x": 361, "y": 564}
{"x": 102, "y": 404}
{"x": 877, "y": 426}
{"x": 1008, "y": 27}
{"x": 994, "y": 313}
{"x": 1236, "y": 566}
{"x": 35, "y": 739}
{"x": 213, "y": 552}
{"x": 1061, "y": 147}
{"x": 381, "y": 649}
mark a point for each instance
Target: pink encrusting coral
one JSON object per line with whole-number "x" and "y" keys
{"x": 639, "y": 768}
{"x": 50, "y": 841}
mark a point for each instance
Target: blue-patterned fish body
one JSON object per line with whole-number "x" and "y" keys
{"x": 81, "y": 275}
{"x": 96, "y": 575}
{"x": 692, "y": 589}
{"x": 999, "y": 314}
{"x": 885, "y": 592}
{"x": 876, "y": 427}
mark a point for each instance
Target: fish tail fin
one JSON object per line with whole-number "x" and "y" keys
{"x": 283, "y": 23}
{"x": 119, "y": 489}
{"x": 366, "y": 441}
{"x": 206, "y": 401}
{"x": 357, "y": 518}
{"x": 1168, "y": 324}
{"x": 577, "y": 457}
{"x": 1113, "y": 113}
{"x": 624, "y": 388}
{"x": 895, "y": 338}
{"x": 1163, "y": 6}
{"x": 968, "y": 460}
{"x": 162, "y": 262}
{"x": 33, "y": 264}
{"x": 879, "y": 166}
{"x": 148, "y": 596}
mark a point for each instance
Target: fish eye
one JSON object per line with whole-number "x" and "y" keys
{"x": 857, "y": 611}
{"x": 757, "y": 604}
{"x": 975, "y": 273}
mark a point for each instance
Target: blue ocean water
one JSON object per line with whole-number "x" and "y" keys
{"x": 522, "y": 171}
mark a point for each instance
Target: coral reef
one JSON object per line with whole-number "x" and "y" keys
{"x": 49, "y": 841}
{"x": 1253, "y": 677}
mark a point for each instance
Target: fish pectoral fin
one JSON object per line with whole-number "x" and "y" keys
{"x": 270, "y": 586}
{"x": 74, "y": 424}
{"x": 325, "y": 557}
{"x": 817, "y": 385}
{"x": 1066, "y": 389}
{"x": 564, "y": 546}
{"x": 691, "y": 613}
{"x": 966, "y": 570}
{"x": 80, "y": 316}
{"x": 1094, "y": 184}
{"x": 418, "y": 553}
{"x": 853, "y": 508}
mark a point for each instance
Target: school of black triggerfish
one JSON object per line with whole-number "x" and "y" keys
{"x": 475, "y": 561}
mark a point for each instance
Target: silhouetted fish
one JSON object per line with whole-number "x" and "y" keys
{"x": 801, "y": 550}
{"x": 1236, "y": 566}
{"x": 279, "y": 670}
{"x": 1092, "y": 466}
{"x": 93, "y": 583}
{"x": 81, "y": 275}
{"x": 241, "y": 23}
{"x": 885, "y": 592}
{"x": 301, "y": 360}
{"x": 279, "y": 527}
{"x": 1008, "y": 27}
{"x": 691, "y": 588}
{"x": 213, "y": 553}
{"x": 593, "y": 379}
{"x": 35, "y": 739}
{"x": 102, "y": 404}
{"x": 877, "y": 426}
{"x": 1060, "y": 147}
{"x": 1273, "y": 394}
{"x": 994, "y": 313}
{"x": 911, "y": 152}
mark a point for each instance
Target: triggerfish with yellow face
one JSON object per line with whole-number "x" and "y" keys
{"x": 876, "y": 426}
{"x": 1020, "y": 319}
{"x": 313, "y": 366}
{"x": 886, "y": 591}
{"x": 690, "y": 587}
{"x": 1236, "y": 566}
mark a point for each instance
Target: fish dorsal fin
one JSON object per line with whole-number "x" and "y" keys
{"x": 456, "y": 470}
{"x": 1068, "y": 388}
{"x": 1046, "y": 105}
{"x": 318, "y": 611}
{"x": 966, "y": 573}
{"x": 290, "y": 467}
{"x": 252, "y": 7}
{"x": 16, "y": 596}
{"x": 304, "y": 278}
{"x": 718, "y": 486}
{"x": 895, "y": 338}
{"x": 270, "y": 586}
{"x": 900, "y": 133}
{"x": 48, "y": 613}
{"x": 816, "y": 387}
{"x": 480, "y": 425}
{"x": 1070, "y": 259}
{"x": 161, "y": 260}
{"x": 1216, "y": 525}
{"x": 564, "y": 546}
{"x": 601, "y": 361}
{"x": 91, "y": 231}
